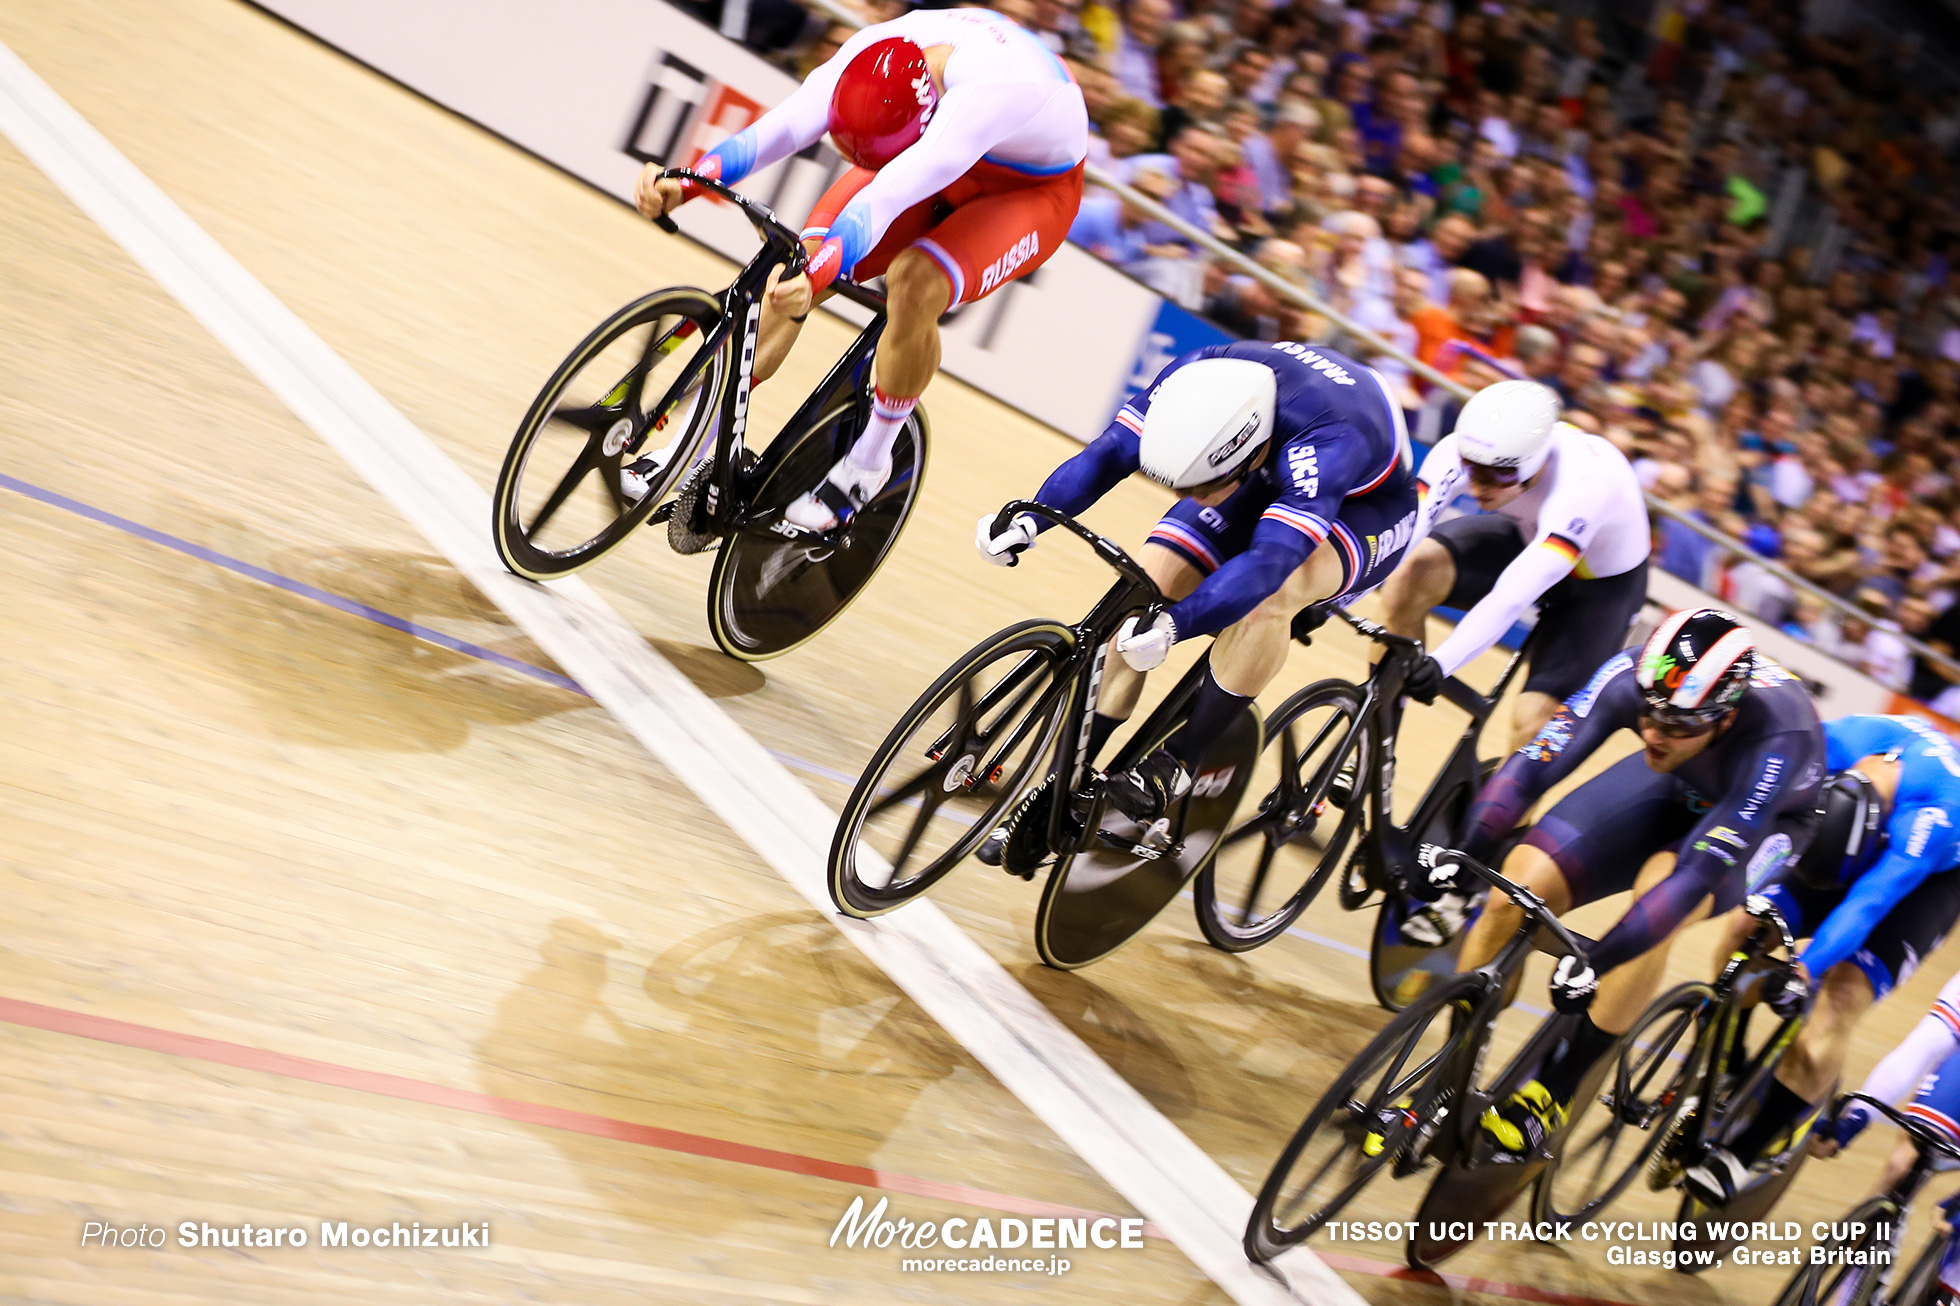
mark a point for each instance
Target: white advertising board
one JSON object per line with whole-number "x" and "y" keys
{"x": 600, "y": 87}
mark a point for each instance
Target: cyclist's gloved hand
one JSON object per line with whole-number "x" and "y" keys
{"x": 1006, "y": 548}
{"x": 1435, "y": 875}
{"x": 1849, "y": 1122}
{"x": 1573, "y": 985}
{"x": 1307, "y": 620}
{"x": 1425, "y": 681}
{"x": 1791, "y": 995}
{"x": 1145, "y": 649}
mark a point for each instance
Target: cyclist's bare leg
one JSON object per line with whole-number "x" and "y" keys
{"x": 1812, "y": 1064}
{"x": 916, "y": 293}
{"x": 1121, "y": 686}
{"x": 1423, "y": 580}
{"x": 1736, "y": 927}
{"x": 782, "y": 304}
{"x": 1250, "y": 653}
{"x": 1529, "y": 715}
{"x": 1535, "y": 870}
{"x": 1625, "y": 992}
{"x": 1814, "y": 1060}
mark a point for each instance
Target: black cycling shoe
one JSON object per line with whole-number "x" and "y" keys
{"x": 1019, "y": 844}
{"x": 1143, "y": 792}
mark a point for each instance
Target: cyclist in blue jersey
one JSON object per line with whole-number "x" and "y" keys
{"x": 1874, "y": 894}
{"x": 1724, "y": 790}
{"x": 1275, "y": 450}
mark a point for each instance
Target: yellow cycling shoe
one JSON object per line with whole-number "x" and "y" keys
{"x": 1374, "y": 1141}
{"x": 1527, "y": 1120}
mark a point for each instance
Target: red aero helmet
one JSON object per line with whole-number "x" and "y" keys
{"x": 882, "y": 102}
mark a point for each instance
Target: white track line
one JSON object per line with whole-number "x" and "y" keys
{"x": 1106, "y": 1121}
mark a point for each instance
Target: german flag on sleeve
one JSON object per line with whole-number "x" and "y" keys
{"x": 1564, "y": 548}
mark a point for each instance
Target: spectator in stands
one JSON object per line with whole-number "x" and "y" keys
{"x": 1822, "y": 411}
{"x": 1135, "y": 62}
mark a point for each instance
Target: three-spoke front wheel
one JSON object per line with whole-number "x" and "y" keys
{"x": 611, "y": 433}
{"x": 950, "y": 768}
{"x": 1270, "y": 866}
{"x": 1375, "y": 1113}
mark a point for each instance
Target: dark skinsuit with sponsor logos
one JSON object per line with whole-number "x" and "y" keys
{"x": 1734, "y": 813}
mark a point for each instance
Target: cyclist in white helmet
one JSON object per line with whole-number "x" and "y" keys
{"x": 1275, "y": 450}
{"x": 1563, "y": 525}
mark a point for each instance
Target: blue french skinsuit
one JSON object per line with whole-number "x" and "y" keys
{"x": 1340, "y": 470}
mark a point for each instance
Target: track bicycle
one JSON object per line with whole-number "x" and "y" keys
{"x": 615, "y": 439}
{"x": 1332, "y": 746}
{"x": 1859, "y": 1254}
{"x": 1681, "y": 1081}
{"x": 1411, "y": 1098}
{"x": 1012, "y": 713}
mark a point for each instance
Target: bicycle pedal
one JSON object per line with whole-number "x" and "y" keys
{"x": 660, "y": 515}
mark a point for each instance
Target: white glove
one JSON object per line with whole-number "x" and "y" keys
{"x": 1441, "y": 870}
{"x": 1146, "y": 649}
{"x": 1006, "y": 548}
{"x": 1573, "y": 985}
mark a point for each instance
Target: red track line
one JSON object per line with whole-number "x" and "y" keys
{"x": 148, "y": 1038}
{"x": 1463, "y": 1282}
{"x": 57, "y": 1020}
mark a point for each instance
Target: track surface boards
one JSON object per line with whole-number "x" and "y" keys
{"x": 456, "y": 949}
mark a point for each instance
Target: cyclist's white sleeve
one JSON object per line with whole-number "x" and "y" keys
{"x": 1935, "y": 1038}
{"x": 797, "y": 123}
{"x": 1574, "y": 511}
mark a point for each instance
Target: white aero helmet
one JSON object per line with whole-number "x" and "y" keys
{"x": 1507, "y": 427}
{"x": 1207, "y": 420}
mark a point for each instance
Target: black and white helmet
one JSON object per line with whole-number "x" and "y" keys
{"x": 1695, "y": 666}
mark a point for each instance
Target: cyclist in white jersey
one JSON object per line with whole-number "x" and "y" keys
{"x": 1564, "y": 526}
{"x": 968, "y": 137}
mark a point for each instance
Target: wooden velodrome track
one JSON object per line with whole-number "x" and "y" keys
{"x": 308, "y": 916}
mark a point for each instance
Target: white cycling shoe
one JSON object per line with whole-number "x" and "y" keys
{"x": 847, "y": 489}
{"x": 639, "y": 476}
{"x": 1719, "y": 1177}
{"x": 1438, "y": 922}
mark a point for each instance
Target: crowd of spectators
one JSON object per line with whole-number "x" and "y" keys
{"x": 1725, "y": 241}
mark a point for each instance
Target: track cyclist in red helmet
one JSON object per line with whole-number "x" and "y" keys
{"x": 967, "y": 137}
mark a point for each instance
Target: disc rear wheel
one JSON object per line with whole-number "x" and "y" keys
{"x": 771, "y": 591}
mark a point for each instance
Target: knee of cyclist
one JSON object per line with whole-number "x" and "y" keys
{"x": 1427, "y": 569}
{"x": 1843, "y": 995}
{"x": 916, "y": 284}
{"x": 1504, "y": 915}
